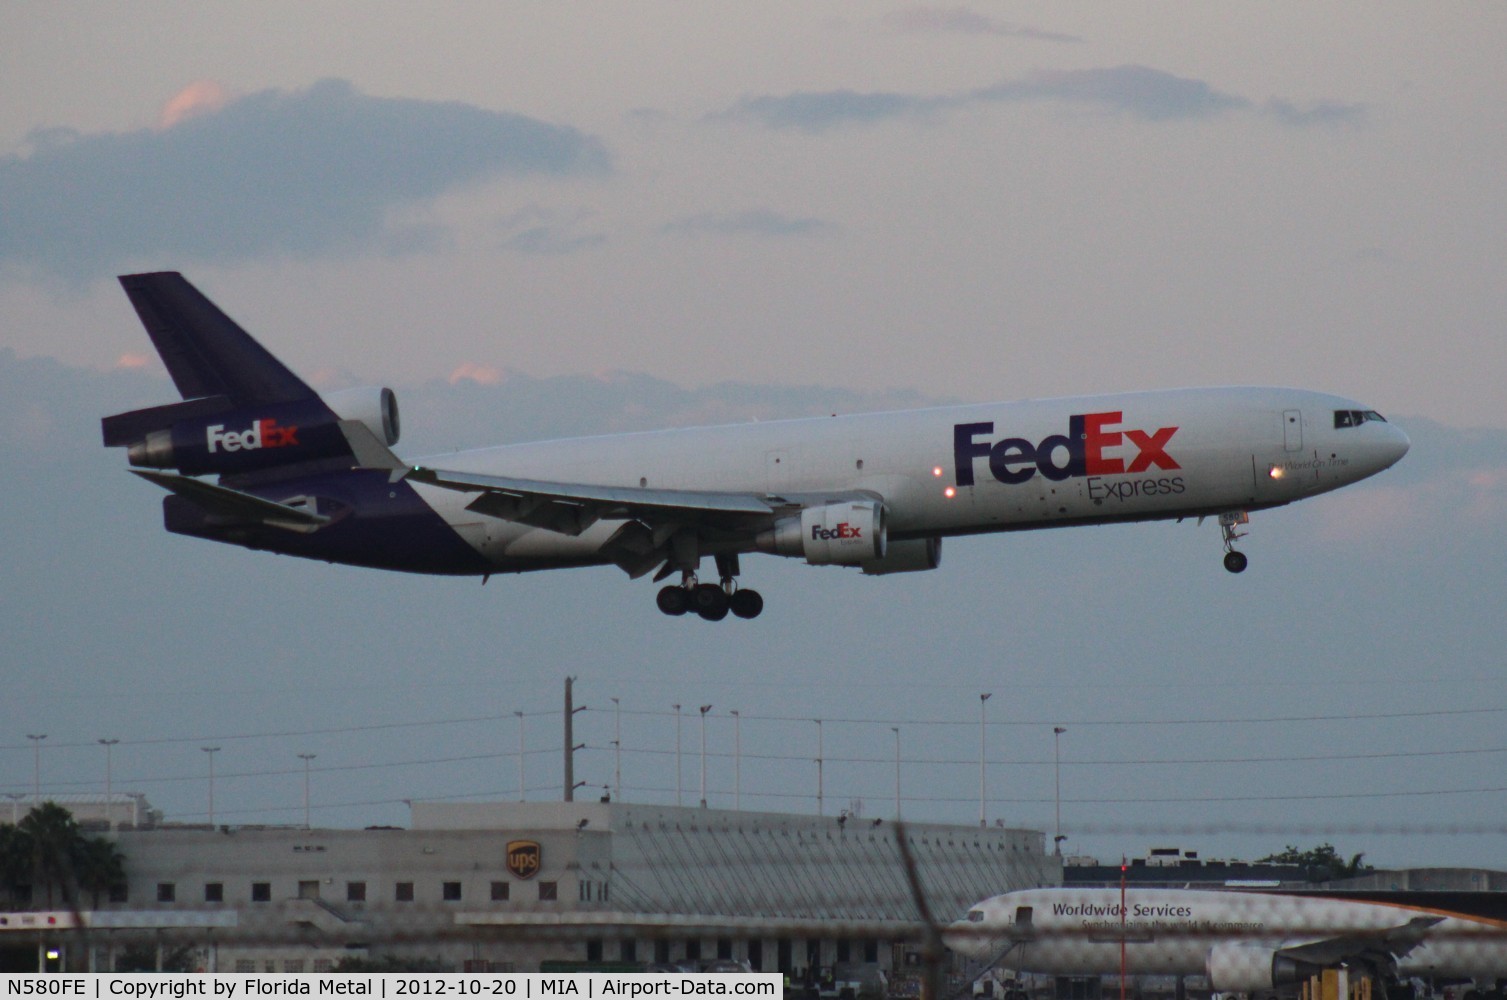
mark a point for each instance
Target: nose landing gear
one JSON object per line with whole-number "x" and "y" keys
{"x": 1234, "y": 561}
{"x": 711, "y": 601}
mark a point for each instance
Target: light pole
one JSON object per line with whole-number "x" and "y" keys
{"x": 982, "y": 699}
{"x": 109, "y": 808}
{"x": 677, "y": 755}
{"x": 819, "y": 809}
{"x": 306, "y": 757}
{"x": 737, "y": 760}
{"x": 15, "y": 806}
{"x": 1057, "y": 732}
{"x": 522, "y": 793}
{"x": 36, "y": 773}
{"x": 617, "y": 750}
{"x": 896, "y": 731}
{"x": 211, "y": 751}
{"x": 704, "y": 709}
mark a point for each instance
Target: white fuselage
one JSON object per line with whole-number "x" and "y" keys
{"x": 1071, "y": 932}
{"x": 965, "y": 469}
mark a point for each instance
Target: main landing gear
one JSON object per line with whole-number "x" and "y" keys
{"x": 1234, "y": 561}
{"x": 711, "y": 601}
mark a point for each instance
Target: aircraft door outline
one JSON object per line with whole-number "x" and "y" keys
{"x": 1292, "y": 430}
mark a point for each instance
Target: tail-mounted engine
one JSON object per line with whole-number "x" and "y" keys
{"x": 212, "y": 435}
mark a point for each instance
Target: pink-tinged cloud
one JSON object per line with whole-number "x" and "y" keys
{"x": 198, "y": 98}
{"x": 135, "y": 362}
{"x": 480, "y": 374}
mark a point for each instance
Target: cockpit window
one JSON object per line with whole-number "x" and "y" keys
{"x": 975, "y": 916}
{"x": 1354, "y": 418}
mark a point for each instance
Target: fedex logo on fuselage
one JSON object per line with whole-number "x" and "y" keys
{"x": 843, "y": 531}
{"x": 1085, "y": 450}
{"x": 262, "y": 434}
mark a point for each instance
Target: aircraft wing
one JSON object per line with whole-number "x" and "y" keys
{"x": 571, "y": 508}
{"x": 1388, "y": 943}
{"x": 656, "y": 523}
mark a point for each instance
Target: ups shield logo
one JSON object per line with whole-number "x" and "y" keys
{"x": 523, "y": 858}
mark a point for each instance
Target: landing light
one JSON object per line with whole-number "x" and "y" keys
{"x": 1276, "y": 472}
{"x": 949, "y": 493}
{"x": 936, "y": 470}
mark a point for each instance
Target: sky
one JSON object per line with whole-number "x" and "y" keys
{"x": 541, "y": 219}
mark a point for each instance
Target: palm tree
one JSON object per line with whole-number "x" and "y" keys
{"x": 15, "y": 862}
{"x": 54, "y": 836}
{"x": 98, "y": 867}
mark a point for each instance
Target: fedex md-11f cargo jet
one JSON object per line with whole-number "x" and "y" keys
{"x": 312, "y": 475}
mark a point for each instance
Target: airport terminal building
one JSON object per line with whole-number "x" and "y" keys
{"x": 507, "y": 886}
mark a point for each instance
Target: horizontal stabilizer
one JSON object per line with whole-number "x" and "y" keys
{"x": 125, "y": 429}
{"x": 220, "y": 501}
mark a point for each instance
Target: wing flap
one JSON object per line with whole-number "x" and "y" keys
{"x": 571, "y": 508}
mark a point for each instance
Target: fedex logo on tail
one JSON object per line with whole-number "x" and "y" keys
{"x": 1092, "y": 446}
{"x": 262, "y": 434}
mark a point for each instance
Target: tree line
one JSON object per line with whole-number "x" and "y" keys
{"x": 46, "y": 858}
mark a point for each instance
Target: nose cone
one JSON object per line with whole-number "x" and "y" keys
{"x": 957, "y": 938}
{"x": 1396, "y": 447}
{"x": 971, "y": 939}
{"x": 965, "y": 939}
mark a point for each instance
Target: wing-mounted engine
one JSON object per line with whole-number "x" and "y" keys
{"x": 1249, "y": 966}
{"x": 838, "y": 534}
{"x": 913, "y": 555}
{"x": 211, "y": 435}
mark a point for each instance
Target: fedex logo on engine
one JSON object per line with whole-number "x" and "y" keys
{"x": 262, "y": 434}
{"x": 843, "y": 532}
{"x": 1085, "y": 450}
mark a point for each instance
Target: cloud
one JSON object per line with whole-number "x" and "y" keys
{"x": 543, "y": 231}
{"x": 1134, "y": 90}
{"x": 198, "y": 98}
{"x": 131, "y": 360}
{"x": 468, "y": 371}
{"x": 815, "y": 112}
{"x": 754, "y": 222}
{"x": 1138, "y": 91}
{"x": 1320, "y": 113}
{"x": 303, "y": 173}
{"x": 961, "y": 20}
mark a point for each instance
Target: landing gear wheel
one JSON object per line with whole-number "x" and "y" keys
{"x": 710, "y": 602}
{"x": 1235, "y": 562}
{"x": 746, "y": 603}
{"x": 673, "y": 600}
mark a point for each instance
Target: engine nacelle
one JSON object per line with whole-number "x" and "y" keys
{"x": 837, "y": 534}
{"x": 910, "y": 556}
{"x": 198, "y": 437}
{"x": 1246, "y": 967}
{"x": 375, "y": 407}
